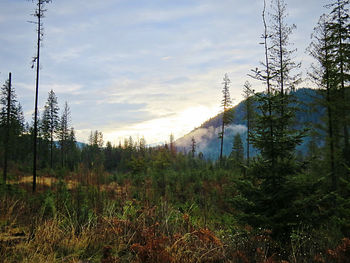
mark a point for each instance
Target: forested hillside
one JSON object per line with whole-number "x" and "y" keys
{"x": 265, "y": 181}
{"x": 309, "y": 114}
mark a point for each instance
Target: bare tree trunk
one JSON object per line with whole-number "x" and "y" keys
{"x": 36, "y": 97}
{"x": 7, "y": 134}
{"x": 248, "y": 131}
{"x": 269, "y": 91}
{"x": 331, "y": 138}
{"x": 51, "y": 150}
{"x": 222, "y": 135}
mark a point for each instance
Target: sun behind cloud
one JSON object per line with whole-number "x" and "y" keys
{"x": 157, "y": 130}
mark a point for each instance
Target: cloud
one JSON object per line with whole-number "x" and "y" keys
{"x": 167, "y": 58}
{"x": 69, "y": 54}
{"x": 157, "y": 129}
{"x": 130, "y": 66}
{"x": 206, "y": 136}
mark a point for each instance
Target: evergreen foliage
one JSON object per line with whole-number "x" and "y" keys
{"x": 339, "y": 42}
{"x": 249, "y": 115}
{"x": 11, "y": 123}
{"x": 323, "y": 75}
{"x": 50, "y": 123}
{"x": 226, "y": 114}
{"x": 193, "y": 146}
{"x": 271, "y": 190}
{"x": 237, "y": 153}
{"x": 135, "y": 203}
{"x": 64, "y": 134}
{"x": 16, "y": 118}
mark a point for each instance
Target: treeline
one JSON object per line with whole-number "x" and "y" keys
{"x": 272, "y": 207}
{"x": 56, "y": 144}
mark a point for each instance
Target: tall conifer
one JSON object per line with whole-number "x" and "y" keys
{"x": 11, "y": 121}
{"x": 39, "y": 13}
{"x": 323, "y": 74}
{"x": 50, "y": 122}
{"x": 226, "y": 103}
{"x": 270, "y": 195}
{"x": 339, "y": 28}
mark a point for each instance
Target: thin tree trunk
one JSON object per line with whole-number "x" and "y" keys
{"x": 62, "y": 156}
{"x": 7, "y": 134}
{"x": 281, "y": 54}
{"x": 248, "y": 130}
{"x": 331, "y": 139}
{"x": 36, "y": 98}
{"x": 269, "y": 91}
{"x": 222, "y": 135}
{"x": 51, "y": 150}
{"x": 330, "y": 122}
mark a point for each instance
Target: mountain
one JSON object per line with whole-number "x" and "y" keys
{"x": 206, "y": 135}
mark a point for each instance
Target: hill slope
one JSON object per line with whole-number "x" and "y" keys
{"x": 206, "y": 135}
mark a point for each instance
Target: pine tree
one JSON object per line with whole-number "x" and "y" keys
{"x": 284, "y": 67}
{"x": 109, "y": 159}
{"x": 226, "y": 117}
{"x": 143, "y": 145}
{"x": 323, "y": 74}
{"x": 93, "y": 154}
{"x": 338, "y": 27}
{"x": 249, "y": 115}
{"x": 11, "y": 121}
{"x": 96, "y": 139}
{"x": 265, "y": 75}
{"x": 50, "y": 122}
{"x": 237, "y": 153}
{"x": 172, "y": 145}
{"x": 63, "y": 133}
{"x": 271, "y": 193}
{"x": 193, "y": 146}
{"x": 73, "y": 153}
{"x": 39, "y": 13}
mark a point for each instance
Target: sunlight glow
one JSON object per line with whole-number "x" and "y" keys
{"x": 158, "y": 130}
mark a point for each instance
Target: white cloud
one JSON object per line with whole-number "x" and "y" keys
{"x": 158, "y": 129}
{"x": 204, "y": 136}
{"x": 128, "y": 66}
{"x": 69, "y": 54}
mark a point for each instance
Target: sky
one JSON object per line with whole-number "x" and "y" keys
{"x": 141, "y": 68}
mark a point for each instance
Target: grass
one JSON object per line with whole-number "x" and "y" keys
{"x": 71, "y": 221}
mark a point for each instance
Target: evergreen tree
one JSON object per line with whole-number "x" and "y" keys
{"x": 73, "y": 152}
{"x": 63, "y": 133}
{"x": 193, "y": 146}
{"x": 284, "y": 67}
{"x": 11, "y": 122}
{"x": 226, "y": 117}
{"x": 172, "y": 145}
{"x": 50, "y": 122}
{"x": 11, "y": 114}
{"x": 338, "y": 26}
{"x": 323, "y": 74}
{"x": 39, "y": 13}
{"x": 249, "y": 115}
{"x": 142, "y": 146}
{"x": 109, "y": 158}
{"x": 131, "y": 145}
{"x": 271, "y": 193}
{"x": 92, "y": 154}
{"x": 237, "y": 153}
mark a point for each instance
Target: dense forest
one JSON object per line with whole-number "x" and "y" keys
{"x": 276, "y": 191}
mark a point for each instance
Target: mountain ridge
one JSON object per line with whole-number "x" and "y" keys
{"x": 206, "y": 135}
